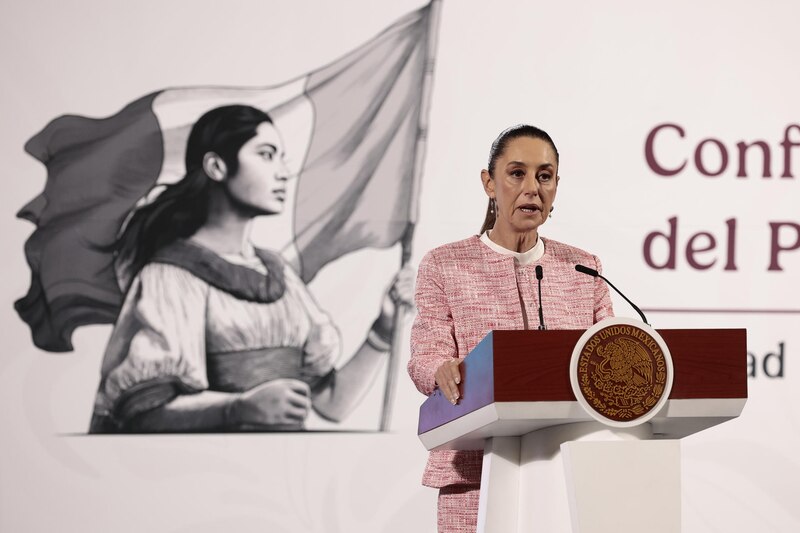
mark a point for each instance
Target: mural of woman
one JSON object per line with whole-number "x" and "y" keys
{"x": 215, "y": 334}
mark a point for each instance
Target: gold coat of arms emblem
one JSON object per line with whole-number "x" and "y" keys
{"x": 621, "y": 372}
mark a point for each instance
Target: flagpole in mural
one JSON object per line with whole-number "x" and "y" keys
{"x": 406, "y": 241}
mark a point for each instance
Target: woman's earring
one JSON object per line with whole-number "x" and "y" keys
{"x": 550, "y": 215}
{"x": 492, "y": 206}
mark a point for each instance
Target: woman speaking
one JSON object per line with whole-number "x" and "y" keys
{"x": 467, "y": 288}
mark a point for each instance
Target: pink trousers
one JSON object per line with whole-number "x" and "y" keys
{"x": 458, "y": 508}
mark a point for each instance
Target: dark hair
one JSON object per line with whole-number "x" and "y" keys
{"x": 182, "y": 207}
{"x": 499, "y": 147}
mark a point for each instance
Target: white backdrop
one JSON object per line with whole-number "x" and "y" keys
{"x": 597, "y": 76}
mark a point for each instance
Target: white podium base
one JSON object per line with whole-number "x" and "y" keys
{"x": 581, "y": 478}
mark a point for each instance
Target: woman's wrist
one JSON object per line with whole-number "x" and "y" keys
{"x": 232, "y": 413}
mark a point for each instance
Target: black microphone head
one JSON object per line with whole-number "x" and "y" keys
{"x": 586, "y": 270}
{"x": 539, "y": 273}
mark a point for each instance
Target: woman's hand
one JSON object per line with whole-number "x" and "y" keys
{"x": 400, "y": 293}
{"x": 448, "y": 378}
{"x": 280, "y": 402}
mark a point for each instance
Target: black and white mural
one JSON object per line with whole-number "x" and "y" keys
{"x": 213, "y": 212}
{"x": 146, "y": 221}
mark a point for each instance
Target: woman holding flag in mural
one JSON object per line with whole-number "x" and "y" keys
{"x": 215, "y": 334}
{"x": 466, "y": 289}
{"x": 356, "y": 131}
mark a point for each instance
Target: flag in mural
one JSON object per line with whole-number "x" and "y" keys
{"x": 352, "y": 134}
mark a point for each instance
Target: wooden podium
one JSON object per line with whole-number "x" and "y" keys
{"x": 545, "y": 467}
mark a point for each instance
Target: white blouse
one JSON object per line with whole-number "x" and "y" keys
{"x": 171, "y": 320}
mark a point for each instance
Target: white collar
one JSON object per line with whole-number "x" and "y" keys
{"x": 523, "y": 258}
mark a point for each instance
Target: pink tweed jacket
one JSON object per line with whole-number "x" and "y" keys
{"x": 465, "y": 289}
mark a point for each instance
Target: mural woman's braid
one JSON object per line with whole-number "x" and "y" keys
{"x": 182, "y": 207}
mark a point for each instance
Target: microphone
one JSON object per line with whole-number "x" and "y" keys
{"x": 595, "y": 274}
{"x": 539, "y": 276}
